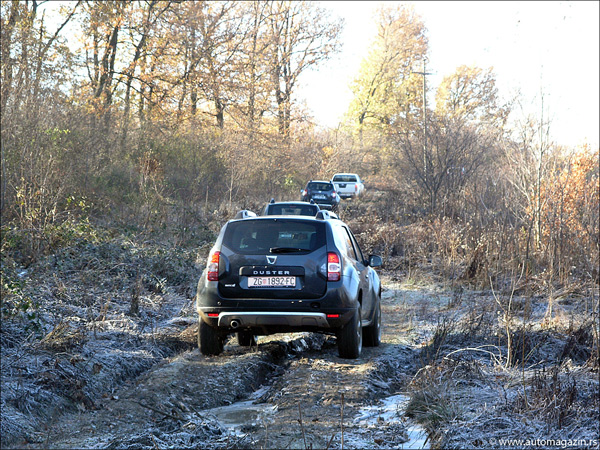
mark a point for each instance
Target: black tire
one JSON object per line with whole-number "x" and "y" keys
{"x": 349, "y": 338}
{"x": 372, "y": 333}
{"x": 210, "y": 341}
{"x": 246, "y": 339}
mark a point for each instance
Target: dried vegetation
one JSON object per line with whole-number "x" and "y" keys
{"x": 500, "y": 351}
{"x": 483, "y": 379}
{"x": 99, "y": 310}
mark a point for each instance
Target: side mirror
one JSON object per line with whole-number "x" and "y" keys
{"x": 375, "y": 261}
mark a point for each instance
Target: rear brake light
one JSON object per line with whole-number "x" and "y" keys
{"x": 213, "y": 314}
{"x": 333, "y": 316}
{"x": 334, "y": 272}
{"x": 213, "y": 267}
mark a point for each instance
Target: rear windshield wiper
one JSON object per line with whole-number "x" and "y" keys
{"x": 287, "y": 249}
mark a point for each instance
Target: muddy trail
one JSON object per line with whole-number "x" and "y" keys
{"x": 291, "y": 391}
{"x": 116, "y": 366}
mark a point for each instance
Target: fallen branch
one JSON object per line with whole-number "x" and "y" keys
{"x": 179, "y": 419}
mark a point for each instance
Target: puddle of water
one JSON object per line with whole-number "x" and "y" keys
{"x": 390, "y": 411}
{"x": 240, "y": 415}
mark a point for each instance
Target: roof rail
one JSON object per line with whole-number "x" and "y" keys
{"x": 323, "y": 214}
{"x": 244, "y": 214}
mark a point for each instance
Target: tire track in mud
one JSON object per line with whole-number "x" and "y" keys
{"x": 147, "y": 409}
{"x": 303, "y": 382}
{"x": 320, "y": 394}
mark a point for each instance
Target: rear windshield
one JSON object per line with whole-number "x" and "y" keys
{"x": 298, "y": 210}
{"x": 320, "y": 186}
{"x": 345, "y": 178}
{"x": 257, "y": 237}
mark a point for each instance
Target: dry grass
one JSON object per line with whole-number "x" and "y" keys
{"x": 433, "y": 401}
{"x": 476, "y": 385}
{"x": 63, "y": 337}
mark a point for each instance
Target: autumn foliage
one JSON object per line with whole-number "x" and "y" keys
{"x": 570, "y": 195}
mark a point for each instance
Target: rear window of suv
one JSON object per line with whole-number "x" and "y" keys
{"x": 345, "y": 178}
{"x": 320, "y": 186}
{"x": 258, "y": 237}
{"x": 298, "y": 210}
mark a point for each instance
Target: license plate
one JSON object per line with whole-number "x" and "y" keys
{"x": 318, "y": 196}
{"x": 268, "y": 282}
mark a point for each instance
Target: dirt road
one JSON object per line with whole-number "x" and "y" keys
{"x": 292, "y": 391}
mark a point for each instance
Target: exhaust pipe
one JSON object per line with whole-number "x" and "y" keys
{"x": 234, "y": 323}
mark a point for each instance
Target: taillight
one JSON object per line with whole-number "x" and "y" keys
{"x": 333, "y": 195}
{"x": 334, "y": 270}
{"x": 213, "y": 267}
{"x": 356, "y": 188}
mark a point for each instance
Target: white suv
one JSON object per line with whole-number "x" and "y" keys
{"x": 348, "y": 185}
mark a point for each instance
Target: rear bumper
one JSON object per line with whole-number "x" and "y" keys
{"x": 323, "y": 203}
{"x": 269, "y": 322}
{"x": 255, "y": 319}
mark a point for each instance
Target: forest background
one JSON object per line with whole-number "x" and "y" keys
{"x": 177, "y": 114}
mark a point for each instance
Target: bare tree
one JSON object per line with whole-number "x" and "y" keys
{"x": 254, "y": 87}
{"x": 149, "y": 14}
{"x": 454, "y": 153}
{"x": 103, "y": 22}
{"x": 34, "y": 74}
{"x": 301, "y": 37}
{"x": 527, "y": 155}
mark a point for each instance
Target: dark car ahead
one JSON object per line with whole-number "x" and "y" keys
{"x": 322, "y": 192}
{"x": 291, "y": 208}
{"x": 277, "y": 274}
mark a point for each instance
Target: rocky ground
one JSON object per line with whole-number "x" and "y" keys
{"x": 110, "y": 361}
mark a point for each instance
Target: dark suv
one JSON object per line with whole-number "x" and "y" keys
{"x": 291, "y": 208}
{"x": 277, "y": 274}
{"x": 322, "y": 192}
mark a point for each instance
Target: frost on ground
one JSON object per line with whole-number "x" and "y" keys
{"x": 109, "y": 360}
{"x": 509, "y": 370}
{"x": 78, "y": 324}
